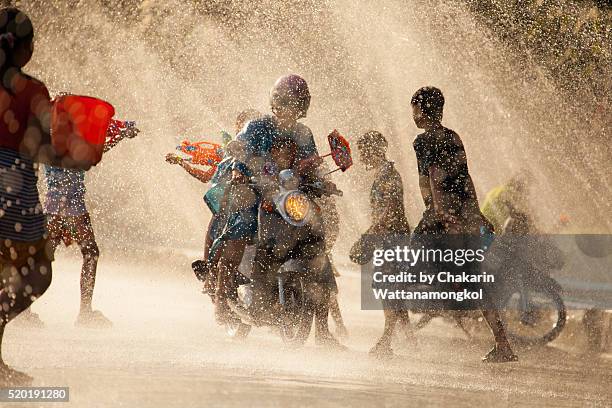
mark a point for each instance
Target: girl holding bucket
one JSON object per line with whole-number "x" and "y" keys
{"x": 69, "y": 221}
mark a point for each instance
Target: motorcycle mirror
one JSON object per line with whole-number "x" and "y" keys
{"x": 288, "y": 180}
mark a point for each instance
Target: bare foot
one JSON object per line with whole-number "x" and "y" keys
{"x": 381, "y": 351}
{"x": 29, "y": 319}
{"x": 93, "y": 319}
{"x": 222, "y": 312}
{"x": 342, "y": 332}
{"x": 500, "y": 355}
{"x": 330, "y": 342}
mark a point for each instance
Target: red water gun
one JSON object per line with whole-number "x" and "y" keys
{"x": 202, "y": 153}
{"x": 340, "y": 151}
{"x": 117, "y": 131}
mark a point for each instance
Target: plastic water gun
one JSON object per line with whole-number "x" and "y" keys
{"x": 117, "y": 131}
{"x": 202, "y": 153}
{"x": 340, "y": 151}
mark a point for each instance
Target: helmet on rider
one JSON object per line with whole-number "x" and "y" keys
{"x": 290, "y": 97}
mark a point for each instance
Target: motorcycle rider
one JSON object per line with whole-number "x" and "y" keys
{"x": 507, "y": 200}
{"x": 241, "y": 206}
{"x": 388, "y": 218}
{"x": 289, "y": 102}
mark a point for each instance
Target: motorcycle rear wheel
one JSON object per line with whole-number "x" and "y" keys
{"x": 543, "y": 320}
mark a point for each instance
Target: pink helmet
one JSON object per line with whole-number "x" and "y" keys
{"x": 290, "y": 91}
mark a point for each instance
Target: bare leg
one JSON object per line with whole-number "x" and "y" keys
{"x": 208, "y": 240}
{"x": 228, "y": 268}
{"x": 264, "y": 266}
{"x": 405, "y": 326}
{"x": 383, "y": 346}
{"x": 28, "y": 318}
{"x": 502, "y": 352}
{"x": 459, "y": 321}
{"x": 427, "y": 317}
{"x": 26, "y": 275}
{"x": 55, "y": 226}
{"x": 593, "y": 322}
{"x": 322, "y": 334}
{"x": 89, "y": 249}
{"x": 210, "y": 284}
{"x": 334, "y": 310}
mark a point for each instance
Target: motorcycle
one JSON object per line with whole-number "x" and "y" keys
{"x": 528, "y": 298}
{"x": 287, "y": 265}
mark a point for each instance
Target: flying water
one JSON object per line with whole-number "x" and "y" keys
{"x": 184, "y": 70}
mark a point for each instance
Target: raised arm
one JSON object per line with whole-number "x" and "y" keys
{"x": 202, "y": 175}
{"x": 129, "y": 132}
{"x": 36, "y": 141}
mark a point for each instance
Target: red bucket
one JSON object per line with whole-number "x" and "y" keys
{"x": 79, "y": 126}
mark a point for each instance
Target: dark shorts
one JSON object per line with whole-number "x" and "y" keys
{"x": 240, "y": 225}
{"x": 69, "y": 229}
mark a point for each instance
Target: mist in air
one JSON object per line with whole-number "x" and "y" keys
{"x": 185, "y": 71}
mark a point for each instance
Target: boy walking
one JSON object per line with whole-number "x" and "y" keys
{"x": 451, "y": 205}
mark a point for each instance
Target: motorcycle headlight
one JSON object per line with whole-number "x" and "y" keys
{"x": 297, "y": 206}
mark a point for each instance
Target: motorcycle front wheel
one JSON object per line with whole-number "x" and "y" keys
{"x": 297, "y": 313}
{"x": 534, "y": 316}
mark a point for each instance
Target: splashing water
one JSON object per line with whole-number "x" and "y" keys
{"x": 182, "y": 71}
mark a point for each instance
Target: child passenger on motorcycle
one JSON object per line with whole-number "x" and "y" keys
{"x": 240, "y": 201}
{"x": 206, "y": 268}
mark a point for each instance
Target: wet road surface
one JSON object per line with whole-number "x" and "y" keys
{"x": 165, "y": 350}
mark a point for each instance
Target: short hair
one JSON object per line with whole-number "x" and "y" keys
{"x": 430, "y": 100}
{"x": 372, "y": 140}
{"x": 15, "y": 30}
{"x": 245, "y": 117}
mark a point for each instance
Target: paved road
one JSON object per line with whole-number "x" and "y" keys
{"x": 166, "y": 351}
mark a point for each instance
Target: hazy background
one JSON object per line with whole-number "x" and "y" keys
{"x": 184, "y": 71}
